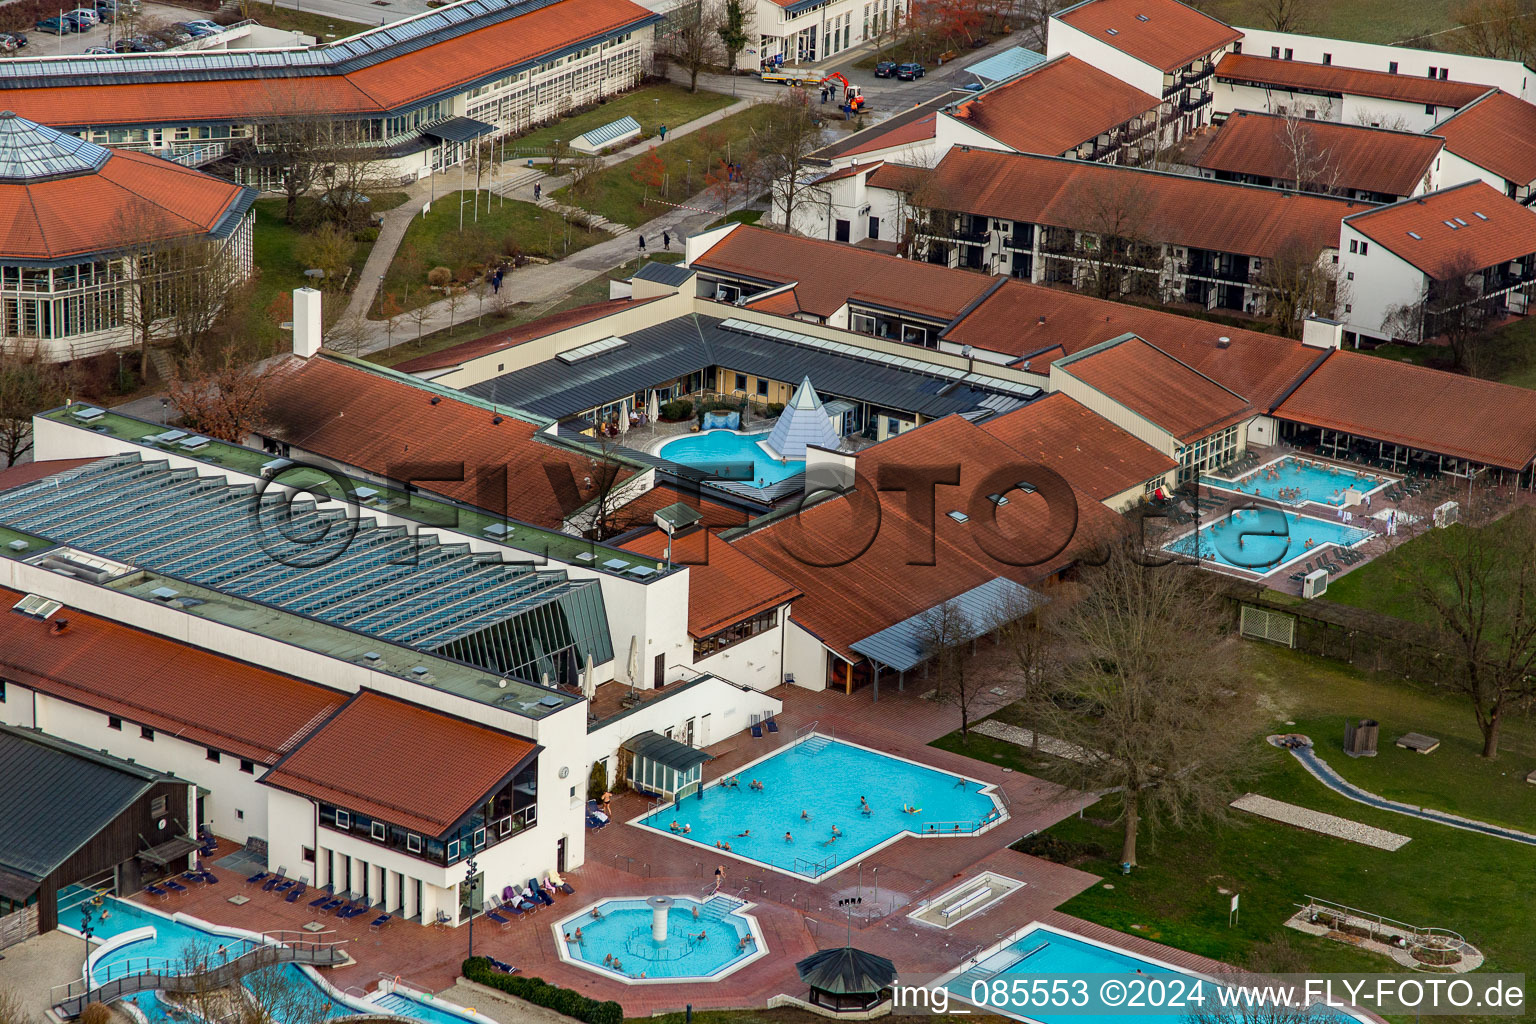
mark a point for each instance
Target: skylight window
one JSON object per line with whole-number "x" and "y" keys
{"x": 1416, "y": 236}
{"x": 1142, "y": 17}
{"x": 1449, "y": 224}
{"x": 958, "y": 516}
{"x": 1027, "y": 487}
{"x": 1113, "y": 31}
{"x": 997, "y": 499}
{"x": 1461, "y": 222}
{"x": 1479, "y": 214}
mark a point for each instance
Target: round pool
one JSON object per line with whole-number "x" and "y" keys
{"x": 730, "y": 455}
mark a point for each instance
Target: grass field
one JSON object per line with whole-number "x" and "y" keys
{"x": 1368, "y": 21}
{"x": 1445, "y": 877}
{"x": 437, "y": 241}
{"x": 616, "y": 194}
{"x": 323, "y": 27}
{"x": 651, "y": 105}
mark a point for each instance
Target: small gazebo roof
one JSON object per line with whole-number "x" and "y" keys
{"x": 846, "y": 971}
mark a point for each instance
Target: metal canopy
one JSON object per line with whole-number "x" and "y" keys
{"x": 162, "y": 854}
{"x": 655, "y": 747}
{"x": 847, "y": 971}
{"x": 1013, "y": 61}
{"x": 903, "y": 645}
{"x": 458, "y": 129}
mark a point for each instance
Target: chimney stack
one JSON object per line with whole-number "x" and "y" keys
{"x": 306, "y": 322}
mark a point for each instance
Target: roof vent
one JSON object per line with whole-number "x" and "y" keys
{"x": 1416, "y": 236}
{"x": 1042, "y": 319}
{"x": 1026, "y": 364}
{"x": 1479, "y": 214}
{"x": 496, "y": 421}
{"x": 1223, "y": 342}
{"x": 436, "y": 399}
{"x": 371, "y": 655}
{"x": 18, "y": 545}
{"x": 418, "y": 671}
{"x": 1142, "y": 17}
{"x": 59, "y": 626}
{"x": 1113, "y": 31}
{"x": 958, "y": 516}
{"x": 163, "y": 593}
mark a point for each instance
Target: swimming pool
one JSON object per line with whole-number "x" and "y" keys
{"x": 1302, "y": 480}
{"x": 815, "y": 786}
{"x": 1263, "y": 540}
{"x": 704, "y": 939}
{"x": 1003, "y": 982}
{"x": 731, "y": 455}
{"x": 405, "y": 1004}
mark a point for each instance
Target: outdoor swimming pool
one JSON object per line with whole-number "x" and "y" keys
{"x": 703, "y": 939}
{"x": 825, "y": 779}
{"x": 406, "y": 1005}
{"x": 1302, "y": 479}
{"x": 1041, "y": 951}
{"x": 731, "y": 456}
{"x": 1262, "y": 540}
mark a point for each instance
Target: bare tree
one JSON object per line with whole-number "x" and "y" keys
{"x": 600, "y": 517}
{"x": 13, "y": 1010}
{"x": 1297, "y": 281}
{"x": 945, "y": 634}
{"x": 200, "y": 290}
{"x": 349, "y": 334}
{"x": 789, "y": 134}
{"x": 1285, "y": 15}
{"x": 224, "y": 397}
{"x": 1475, "y": 585}
{"x": 1503, "y": 29}
{"x": 329, "y": 247}
{"x": 1257, "y": 1011}
{"x": 1453, "y": 306}
{"x": 1037, "y": 16}
{"x": 691, "y": 39}
{"x": 1381, "y": 119}
{"x": 1112, "y": 220}
{"x": 1311, "y": 166}
{"x": 1145, "y": 680}
{"x": 29, "y": 384}
{"x": 277, "y": 995}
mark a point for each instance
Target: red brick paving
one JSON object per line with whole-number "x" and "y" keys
{"x": 797, "y": 916}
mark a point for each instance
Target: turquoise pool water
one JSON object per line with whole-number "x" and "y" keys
{"x": 699, "y": 946}
{"x": 1262, "y": 540}
{"x": 1003, "y": 982}
{"x": 172, "y": 942}
{"x": 1319, "y": 482}
{"x": 729, "y": 455}
{"x": 824, "y": 779}
{"x": 421, "y": 1009}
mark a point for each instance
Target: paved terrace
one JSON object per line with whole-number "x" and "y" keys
{"x": 797, "y": 916}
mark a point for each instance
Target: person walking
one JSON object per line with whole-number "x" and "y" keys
{"x": 666, "y": 240}
{"x": 641, "y": 243}
{"x": 663, "y": 131}
{"x": 538, "y": 191}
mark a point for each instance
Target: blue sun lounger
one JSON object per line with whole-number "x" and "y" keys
{"x": 155, "y": 890}
{"x": 297, "y": 893}
{"x": 175, "y": 886}
{"x": 757, "y": 727}
{"x": 325, "y": 896}
{"x": 380, "y": 921}
{"x": 257, "y": 877}
{"x": 495, "y": 916}
{"x": 771, "y": 724}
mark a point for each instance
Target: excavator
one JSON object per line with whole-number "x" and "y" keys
{"x": 853, "y": 95}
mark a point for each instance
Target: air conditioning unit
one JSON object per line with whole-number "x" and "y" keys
{"x": 1315, "y": 584}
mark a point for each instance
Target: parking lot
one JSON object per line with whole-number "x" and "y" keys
{"x": 44, "y": 44}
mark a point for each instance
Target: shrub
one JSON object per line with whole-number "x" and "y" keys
{"x": 539, "y": 992}
{"x": 680, "y": 409}
{"x": 1058, "y": 850}
{"x": 775, "y": 408}
{"x": 597, "y": 783}
{"x": 437, "y": 277}
{"x": 96, "y": 1013}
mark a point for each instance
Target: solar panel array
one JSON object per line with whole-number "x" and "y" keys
{"x": 290, "y": 554}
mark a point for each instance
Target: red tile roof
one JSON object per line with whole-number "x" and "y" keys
{"x": 784, "y": 303}
{"x": 513, "y": 336}
{"x": 131, "y": 199}
{"x": 1341, "y": 155}
{"x": 638, "y": 513}
{"x": 26, "y": 472}
{"x": 1505, "y": 231}
{"x": 1158, "y": 387}
{"x": 1431, "y": 410}
{"x": 852, "y": 170}
{"x": 1498, "y": 132}
{"x": 1054, "y": 108}
{"x": 880, "y": 570}
{"x": 391, "y": 84}
{"x": 1157, "y": 206}
{"x": 901, "y": 134}
{"x": 1095, "y": 456}
{"x": 182, "y": 691}
{"x": 829, "y": 274}
{"x": 401, "y": 763}
{"x": 1163, "y": 33}
{"x": 911, "y": 124}
{"x": 1333, "y": 79}
{"x": 725, "y": 585}
{"x": 381, "y": 423}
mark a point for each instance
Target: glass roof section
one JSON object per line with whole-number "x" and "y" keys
{"x": 31, "y": 152}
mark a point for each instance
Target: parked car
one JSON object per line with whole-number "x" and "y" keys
{"x": 100, "y": 51}
{"x": 910, "y": 72}
{"x": 57, "y": 26}
{"x": 202, "y": 28}
{"x": 77, "y": 25}
{"x": 885, "y": 69}
{"x": 21, "y": 39}
{"x": 84, "y": 16}
{"x": 6, "y": 41}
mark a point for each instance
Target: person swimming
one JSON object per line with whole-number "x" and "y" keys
{"x": 788, "y": 838}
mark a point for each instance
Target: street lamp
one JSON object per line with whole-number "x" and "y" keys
{"x": 470, "y": 871}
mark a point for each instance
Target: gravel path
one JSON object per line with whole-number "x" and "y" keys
{"x": 1317, "y": 821}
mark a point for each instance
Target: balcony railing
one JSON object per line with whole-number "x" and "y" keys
{"x": 1194, "y": 102}
{"x": 1198, "y": 74}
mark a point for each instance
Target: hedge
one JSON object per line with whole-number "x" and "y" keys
{"x": 541, "y": 993}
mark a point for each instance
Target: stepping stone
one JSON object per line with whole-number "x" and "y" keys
{"x": 1417, "y": 741}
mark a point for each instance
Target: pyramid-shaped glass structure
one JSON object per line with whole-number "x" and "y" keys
{"x": 803, "y": 422}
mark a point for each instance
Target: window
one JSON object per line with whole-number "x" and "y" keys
{"x": 115, "y": 723}
{"x": 1274, "y": 52}
{"x": 379, "y": 831}
{"x": 308, "y": 853}
{"x": 1335, "y": 258}
{"x": 762, "y": 386}
{"x": 453, "y": 849}
{"x": 213, "y": 755}
{"x": 146, "y": 733}
{"x": 249, "y": 767}
{"x": 1445, "y": 73}
{"x": 1429, "y": 108}
{"x": 157, "y": 807}
{"x": 958, "y": 516}
{"x": 1392, "y": 68}
{"x": 1350, "y": 275}
{"x": 343, "y": 819}
{"x": 1288, "y": 53}
{"x": 413, "y": 843}
{"x": 1349, "y": 307}
{"x": 741, "y": 382}
{"x": 1327, "y": 58}
{"x": 2, "y": 691}
{"x": 1365, "y": 247}
{"x": 239, "y": 814}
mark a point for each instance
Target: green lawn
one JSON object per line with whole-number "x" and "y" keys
{"x": 1445, "y": 877}
{"x": 323, "y": 27}
{"x": 1368, "y": 21}
{"x": 616, "y": 194}
{"x": 651, "y": 105}
{"x": 438, "y": 241}
{"x": 1506, "y": 354}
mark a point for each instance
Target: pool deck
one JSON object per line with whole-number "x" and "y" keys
{"x": 796, "y": 916}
